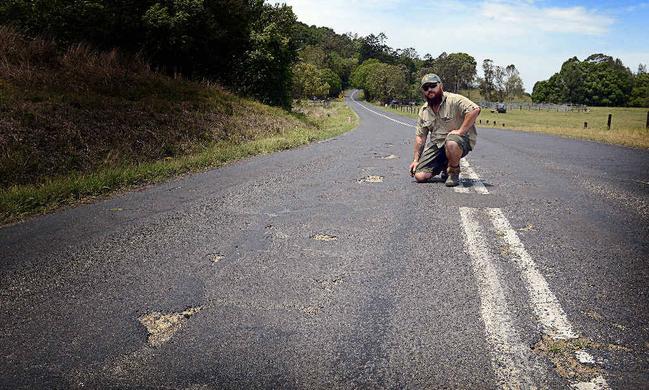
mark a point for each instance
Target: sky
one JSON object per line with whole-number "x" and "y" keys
{"x": 535, "y": 36}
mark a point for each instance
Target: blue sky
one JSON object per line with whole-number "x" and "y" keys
{"x": 536, "y": 36}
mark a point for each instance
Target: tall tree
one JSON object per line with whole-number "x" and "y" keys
{"x": 265, "y": 71}
{"x": 460, "y": 71}
{"x": 487, "y": 85}
{"x": 513, "y": 82}
{"x": 599, "y": 80}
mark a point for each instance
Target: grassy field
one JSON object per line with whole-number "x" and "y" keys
{"x": 627, "y": 124}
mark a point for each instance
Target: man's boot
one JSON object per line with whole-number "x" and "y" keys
{"x": 444, "y": 174}
{"x": 453, "y": 176}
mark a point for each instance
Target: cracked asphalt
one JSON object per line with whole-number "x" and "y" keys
{"x": 300, "y": 272}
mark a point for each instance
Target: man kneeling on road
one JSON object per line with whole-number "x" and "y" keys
{"x": 450, "y": 119}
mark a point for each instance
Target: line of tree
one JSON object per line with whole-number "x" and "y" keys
{"x": 253, "y": 48}
{"x": 246, "y": 45}
{"x": 599, "y": 80}
{"x": 500, "y": 83}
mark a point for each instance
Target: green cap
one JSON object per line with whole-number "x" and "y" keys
{"x": 430, "y": 78}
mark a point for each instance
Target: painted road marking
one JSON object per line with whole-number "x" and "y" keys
{"x": 511, "y": 360}
{"x": 468, "y": 175}
{"x": 378, "y": 113}
{"x": 544, "y": 303}
{"x": 546, "y": 307}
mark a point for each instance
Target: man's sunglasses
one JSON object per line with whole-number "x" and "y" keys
{"x": 426, "y": 87}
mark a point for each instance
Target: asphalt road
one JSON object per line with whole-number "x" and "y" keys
{"x": 327, "y": 266}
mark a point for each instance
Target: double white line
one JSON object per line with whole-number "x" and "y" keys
{"x": 470, "y": 176}
{"x": 513, "y": 362}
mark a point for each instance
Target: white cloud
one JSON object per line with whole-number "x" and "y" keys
{"x": 550, "y": 19}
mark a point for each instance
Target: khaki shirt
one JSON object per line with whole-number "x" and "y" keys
{"x": 450, "y": 117}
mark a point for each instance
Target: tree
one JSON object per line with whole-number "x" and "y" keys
{"x": 373, "y": 46}
{"x": 599, "y": 80}
{"x": 307, "y": 81}
{"x": 359, "y": 75}
{"x": 487, "y": 85}
{"x": 313, "y": 55}
{"x": 385, "y": 82}
{"x": 265, "y": 72}
{"x": 513, "y": 82}
{"x": 640, "y": 92}
{"x": 332, "y": 80}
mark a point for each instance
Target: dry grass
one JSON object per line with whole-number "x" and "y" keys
{"x": 78, "y": 124}
{"x": 80, "y": 110}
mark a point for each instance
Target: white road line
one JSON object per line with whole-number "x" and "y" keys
{"x": 470, "y": 174}
{"x": 598, "y": 383}
{"x": 511, "y": 358}
{"x": 545, "y": 305}
{"x": 378, "y": 113}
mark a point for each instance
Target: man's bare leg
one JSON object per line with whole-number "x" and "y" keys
{"x": 453, "y": 154}
{"x": 423, "y": 176}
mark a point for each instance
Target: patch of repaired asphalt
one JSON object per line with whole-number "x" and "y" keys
{"x": 371, "y": 179}
{"x": 389, "y": 157}
{"x": 217, "y": 257}
{"x": 161, "y": 326}
{"x": 324, "y": 237}
{"x": 327, "y": 287}
{"x": 570, "y": 357}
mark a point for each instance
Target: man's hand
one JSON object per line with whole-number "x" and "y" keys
{"x": 413, "y": 166}
{"x": 457, "y": 131}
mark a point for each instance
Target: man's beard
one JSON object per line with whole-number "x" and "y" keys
{"x": 437, "y": 99}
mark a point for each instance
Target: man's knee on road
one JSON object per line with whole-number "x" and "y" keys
{"x": 422, "y": 176}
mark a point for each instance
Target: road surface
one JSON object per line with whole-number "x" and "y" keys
{"x": 327, "y": 266}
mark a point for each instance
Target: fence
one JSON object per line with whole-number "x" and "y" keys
{"x": 537, "y": 107}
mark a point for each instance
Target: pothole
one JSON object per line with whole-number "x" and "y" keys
{"x": 161, "y": 326}
{"x": 389, "y": 157}
{"x": 324, "y": 237}
{"x": 371, "y": 179}
{"x": 329, "y": 284}
{"x": 311, "y": 310}
{"x": 571, "y": 357}
{"x": 216, "y": 258}
{"x": 562, "y": 354}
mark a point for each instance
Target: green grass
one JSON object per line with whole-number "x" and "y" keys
{"x": 627, "y": 125}
{"x": 21, "y": 201}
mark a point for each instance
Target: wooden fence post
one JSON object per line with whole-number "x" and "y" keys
{"x": 608, "y": 124}
{"x": 585, "y": 125}
{"x": 647, "y": 125}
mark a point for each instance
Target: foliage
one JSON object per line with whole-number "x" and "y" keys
{"x": 385, "y": 82}
{"x": 500, "y": 83}
{"x": 640, "y": 92}
{"x": 232, "y": 41}
{"x": 599, "y": 80}
{"x": 333, "y": 81}
{"x": 265, "y": 71}
{"x": 359, "y": 75}
{"x": 457, "y": 70}
{"x": 308, "y": 82}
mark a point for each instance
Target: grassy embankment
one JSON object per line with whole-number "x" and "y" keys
{"x": 77, "y": 124}
{"x": 627, "y": 125}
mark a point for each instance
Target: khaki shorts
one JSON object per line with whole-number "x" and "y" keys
{"x": 434, "y": 160}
